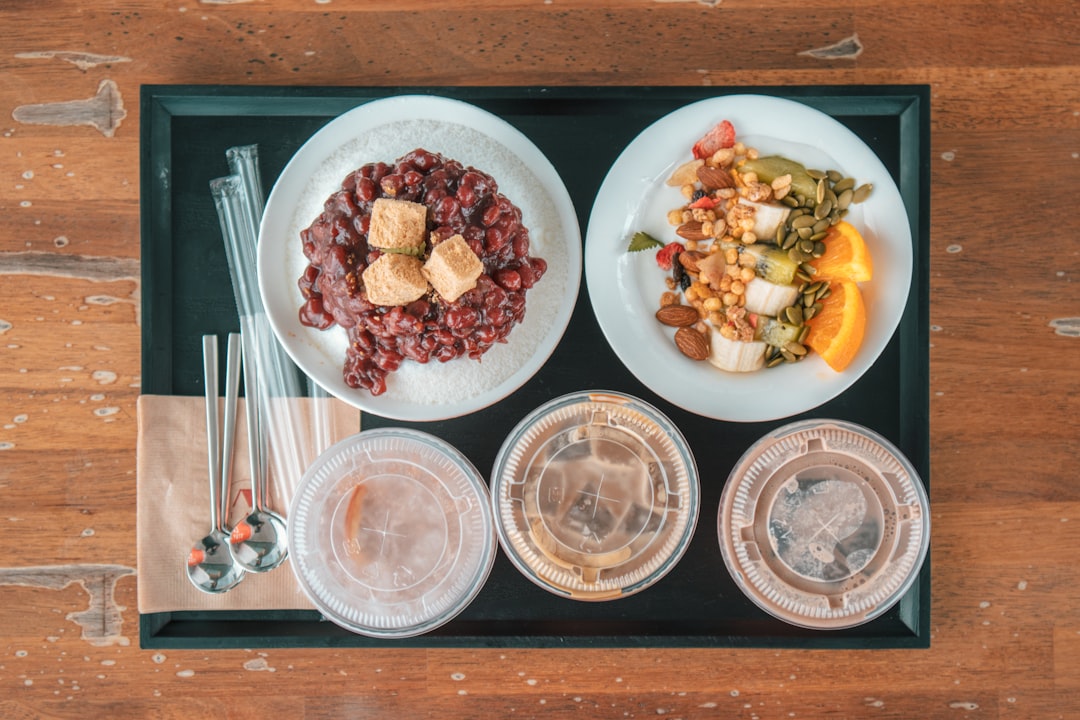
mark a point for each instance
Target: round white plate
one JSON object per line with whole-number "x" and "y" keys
{"x": 384, "y": 130}
{"x": 625, "y": 287}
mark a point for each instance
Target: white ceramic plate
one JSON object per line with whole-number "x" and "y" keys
{"x": 625, "y": 288}
{"x": 384, "y": 130}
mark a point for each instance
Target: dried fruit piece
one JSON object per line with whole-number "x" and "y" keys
{"x": 667, "y": 254}
{"x": 691, "y": 343}
{"x": 677, "y": 315}
{"x": 721, "y": 136}
{"x": 685, "y": 174}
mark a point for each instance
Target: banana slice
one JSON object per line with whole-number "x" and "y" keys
{"x": 736, "y": 356}
{"x": 767, "y": 217}
{"x": 769, "y": 298}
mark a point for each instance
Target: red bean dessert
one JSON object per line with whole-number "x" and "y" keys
{"x": 347, "y": 266}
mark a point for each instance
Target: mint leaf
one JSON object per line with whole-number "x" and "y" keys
{"x": 643, "y": 241}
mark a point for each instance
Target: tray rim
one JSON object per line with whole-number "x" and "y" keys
{"x": 159, "y": 104}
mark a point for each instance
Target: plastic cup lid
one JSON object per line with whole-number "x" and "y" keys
{"x": 596, "y": 496}
{"x": 391, "y": 533}
{"x": 824, "y": 524}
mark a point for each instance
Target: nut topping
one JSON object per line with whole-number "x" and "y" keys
{"x": 713, "y": 178}
{"x": 692, "y": 343}
{"x": 677, "y": 315}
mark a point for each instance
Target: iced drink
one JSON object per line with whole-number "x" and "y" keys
{"x": 596, "y": 496}
{"x": 824, "y": 524}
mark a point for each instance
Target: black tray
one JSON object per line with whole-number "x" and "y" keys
{"x": 186, "y": 293}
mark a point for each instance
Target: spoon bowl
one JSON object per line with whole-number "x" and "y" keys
{"x": 211, "y": 566}
{"x": 259, "y": 542}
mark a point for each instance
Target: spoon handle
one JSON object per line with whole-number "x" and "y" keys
{"x": 232, "y": 391}
{"x": 213, "y": 452}
{"x": 252, "y": 413}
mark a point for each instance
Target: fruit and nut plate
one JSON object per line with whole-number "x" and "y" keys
{"x": 748, "y": 258}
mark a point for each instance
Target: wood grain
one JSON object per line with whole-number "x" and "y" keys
{"x": 1005, "y": 383}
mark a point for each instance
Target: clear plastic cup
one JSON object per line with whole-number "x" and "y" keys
{"x": 596, "y": 496}
{"x": 391, "y": 533}
{"x": 824, "y": 524}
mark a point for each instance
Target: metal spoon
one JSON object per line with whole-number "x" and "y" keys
{"x": 259, "y": 541}
{"x": 210, "y": 565}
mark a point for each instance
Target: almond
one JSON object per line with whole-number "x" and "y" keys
{"x": 690, "y": 231}
{"x": 689, "y": 260}
{"x": 677, "y": 315}
{"x": 692, "y": 343}
{"x": 714, "y": 178}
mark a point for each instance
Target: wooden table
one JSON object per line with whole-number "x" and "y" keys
{"x": 1004, "y": 373}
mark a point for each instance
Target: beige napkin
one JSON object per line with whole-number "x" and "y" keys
{"x": 174, "y": 503}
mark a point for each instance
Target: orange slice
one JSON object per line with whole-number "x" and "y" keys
{"x": 846, "y": 255}
{"x": 837, "y": 331}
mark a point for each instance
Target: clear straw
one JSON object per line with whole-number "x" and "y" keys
{"x": 277, "y": 374}
{"x": 244, "y": 163}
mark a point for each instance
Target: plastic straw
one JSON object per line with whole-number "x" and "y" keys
{"x": 244, "y": 163}
{"x": 294, "y": 445}
{"x": 277, "y": 374}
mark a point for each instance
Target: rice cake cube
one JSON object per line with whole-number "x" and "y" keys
{"x": 452, "y": 268}
{"x": 397, "y": 225}
{"x": 394, "y": 279}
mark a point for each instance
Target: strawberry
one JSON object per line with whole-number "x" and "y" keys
{"x": 721, "y": 136}
{"x": 667, "y": 254}
{"x": 705, "y": 203}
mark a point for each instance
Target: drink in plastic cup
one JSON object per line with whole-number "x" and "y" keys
{"x": 595, "y": 495}
{"x": 824, "y": 524}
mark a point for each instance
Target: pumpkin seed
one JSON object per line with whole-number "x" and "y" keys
{"x": 797, "y": 255}
{"x": 807, "y": 301}
{"x": 816, "y": 174}
{"x": 790, "y": 201}
{"x": 803, "y": 276}
{"x": 788, "y": 355}
{"x": 823, "y": 209}
{"x": 812, "y": 288}
{"x": 822, "y": 186}
{"x": 790, "y": 240}
{"x": 819, "y": 248}
{"x": 844, "y": 199}
{"x": 807, "y": 313}
{"x": 844, "y": 184}
{"x": 807, "y": 246}
{"x": 781, "y": 232}
{"x": 805, "y": 233}
{"x": 794, "y": 314}
{"x": 808, "y": 268}
{"x": 795, "y": 348}
{"x": 862, "y": 192}
{"x": 802, "y": 221}
{"x": 773, "y": 362}
{"x": 805, "y": 332}
{"x": 821, "y": 226}
{"x": 834, "y": 176}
